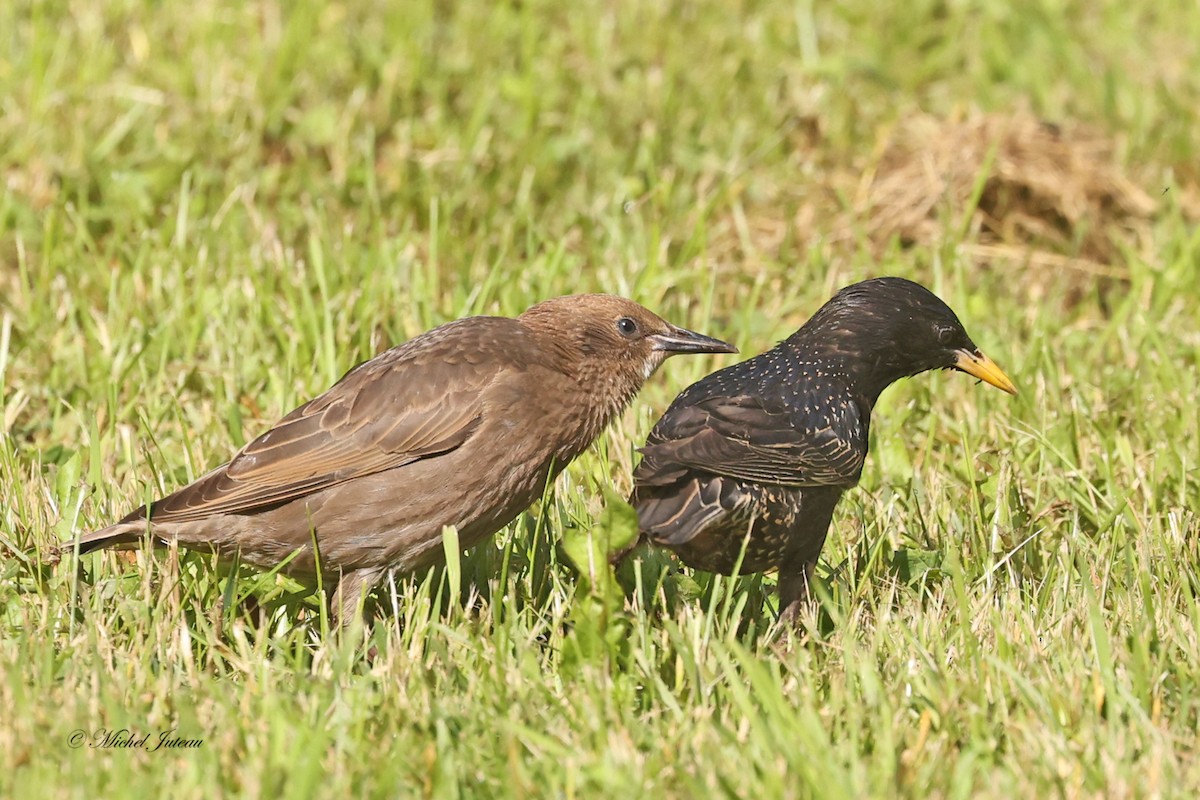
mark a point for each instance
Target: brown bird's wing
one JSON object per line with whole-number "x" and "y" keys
{"x": 412, "y": 402}
{"x": 749, "y": 438}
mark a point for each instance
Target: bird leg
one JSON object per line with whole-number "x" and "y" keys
{"x": 800, "y": 554}
{"x": 796, "y": 569}
{"x": 794, "y": 591}
{"x": 346, "y": 601}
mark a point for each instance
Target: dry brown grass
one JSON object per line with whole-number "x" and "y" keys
{"x": 1011, "y": 184}
{"x": 1010, "y": 187}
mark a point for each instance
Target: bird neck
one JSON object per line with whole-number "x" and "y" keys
{"x": 866, "y": 367}
{"x": 602, "y": 387}
{"x": 595, "y": 392}
{"x": 609, "y": 391}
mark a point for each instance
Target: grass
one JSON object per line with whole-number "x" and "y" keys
{"x": 208, "y": 213}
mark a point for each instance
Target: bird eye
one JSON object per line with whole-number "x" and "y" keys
{"x": 627, "y": 326}
{"x": 945, "y": 335}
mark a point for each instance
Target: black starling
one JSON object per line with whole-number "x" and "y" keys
{"x": 461, "y": 426}
{"x": 750, "y": 461}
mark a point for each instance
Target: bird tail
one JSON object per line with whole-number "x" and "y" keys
{"x": 676, "y": 515}
{"x": 118, "y": 535}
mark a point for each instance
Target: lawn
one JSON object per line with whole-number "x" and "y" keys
{"x": 209, "y": 211}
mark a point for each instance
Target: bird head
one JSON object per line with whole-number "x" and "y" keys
{"x": 899, "y": 328}
{"x": 609, "y": 339}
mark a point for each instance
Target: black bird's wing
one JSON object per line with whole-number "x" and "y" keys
{"x": 418, "y": 400}
{"x": 751, "y": 438}
{"x": 713, "y": 462}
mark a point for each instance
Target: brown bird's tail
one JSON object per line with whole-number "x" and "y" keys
{"x": 122, "y": 533}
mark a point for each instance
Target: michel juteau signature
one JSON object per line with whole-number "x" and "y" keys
{"x": 126, "y": 739}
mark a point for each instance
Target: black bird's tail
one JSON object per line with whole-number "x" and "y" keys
{"x": 674, "y": 515}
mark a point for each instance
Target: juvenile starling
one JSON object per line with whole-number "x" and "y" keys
{"x": 462, "y": 426}
{"x": 750, "y": 461}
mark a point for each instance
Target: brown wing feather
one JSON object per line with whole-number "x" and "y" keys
{"x": 414, "y": 401}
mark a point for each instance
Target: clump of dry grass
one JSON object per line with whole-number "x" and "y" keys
{"x": 1013, "y": 185}
{"x": 1006, "y": 186}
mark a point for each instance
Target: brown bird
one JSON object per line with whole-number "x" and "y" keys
{"x": 461, "y": 426}
{"x": 746, "y": 466}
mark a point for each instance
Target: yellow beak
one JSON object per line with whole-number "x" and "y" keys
{"x": 982, "y": 367}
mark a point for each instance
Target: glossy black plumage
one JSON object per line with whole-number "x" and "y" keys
{"x": 750, "y": 462}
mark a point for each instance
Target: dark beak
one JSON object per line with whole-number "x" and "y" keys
{"x": 980, "y": 366}
{"x": 678, "y": 340}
